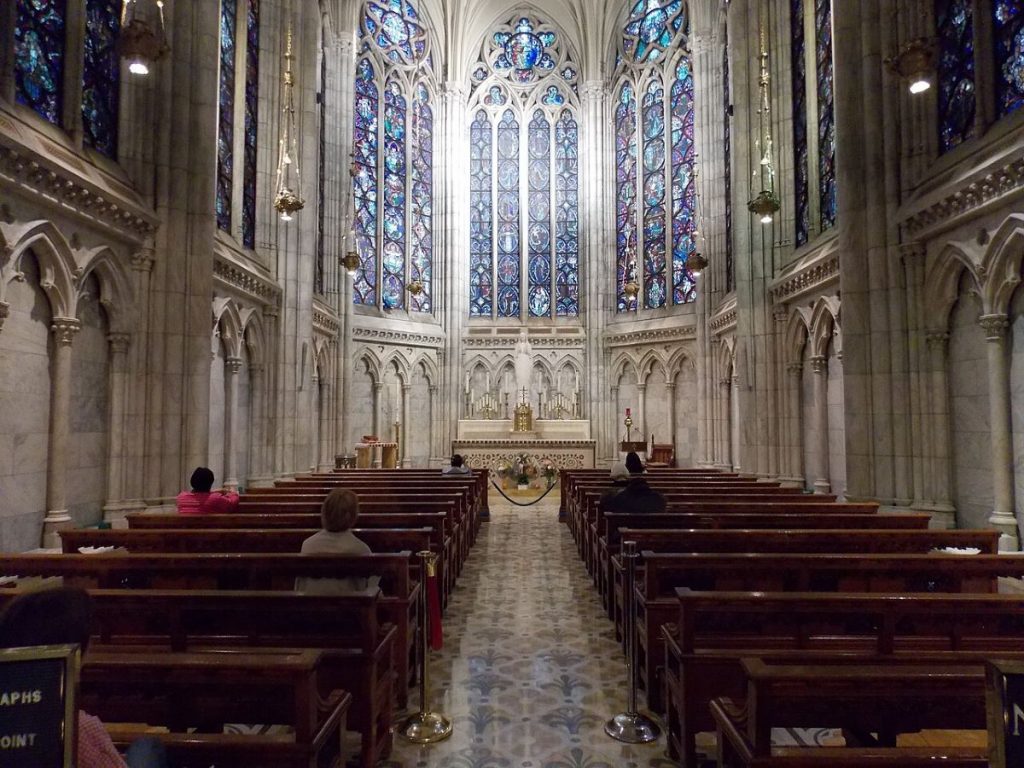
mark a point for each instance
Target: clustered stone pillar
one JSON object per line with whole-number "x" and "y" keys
{"x": 257, "y": 467}
{"x": 995, "y": 327}
{"x": 724, "y": 439}
{"x": 641, "y": 392}
{"x": 118, "y": 403}
{"x": 64, "y": 330}
{"x": 325, "y": 462}
{"x": 403, "y": 434}
{"x": 938, "y": 343}
{"x": 819, "y": 366}
{"x": 232, "y": 367}
{"x": 796, "y": 374}
{"x": 670, "y": 392}
{"x": 378, "y": 405}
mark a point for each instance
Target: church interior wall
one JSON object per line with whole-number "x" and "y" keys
{"x": 1017, "y": 397}
{"x": 809, "y": 434}
{"x": 217, "y": 420}
{"x": 836, "y": 421}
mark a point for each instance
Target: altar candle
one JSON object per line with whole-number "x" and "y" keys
{"x": 627, "y": 413}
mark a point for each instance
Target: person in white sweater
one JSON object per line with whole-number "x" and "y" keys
{"x": 338, "y": 515}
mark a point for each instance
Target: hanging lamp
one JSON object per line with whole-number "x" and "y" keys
{"x": 287, "y": 200}
{"x": 765, "y": 203}
{"x": 139, "y": 43}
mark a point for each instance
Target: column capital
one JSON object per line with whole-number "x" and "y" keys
{"x": 725, "y": 383}
{"x": 119, "y": 342}
{"x": 819, "y": 364}
{"x": 912, "y": 251}
{"x": 780, "y": 313}
{"x": 456, "y": 91}
{"x": 432, "y": 389}
{"x": 936, "y": 340}
{"x": 670, "y": 385}
{"x": 795, "y": 368}
{"x": 64, "y": 330}
{"x": 641, "y": 387}
{"x": 142, "y": 260}
{"x": 378, "y": 386}
{"x": 233, "y": 364}
{"x": 345, "y": 44}
{"x": 994, "y": 326}
{"x": 255, "y": 368}
{"x": 5, "y": 311}
{"x": 592, "y": 90}
{"x": 270, "y": 310}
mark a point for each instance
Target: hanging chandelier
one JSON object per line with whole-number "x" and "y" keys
{"x": 915, "y": 62}
{"x": 765, "y": 203}
{"x": 287, "y": 200}
{"x": 695, "y": 262}
{"x": 139, "y": 44}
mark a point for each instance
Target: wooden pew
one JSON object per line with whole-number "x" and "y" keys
{"x": 194, "y": 695}
{"x": 716, "y": 629}
{"x": 358, "y": 650}
{"x": 861, "y": 700}
{"x": 399, "y": 603}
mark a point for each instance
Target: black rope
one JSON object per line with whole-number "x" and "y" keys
{"x": 520, "y": 504}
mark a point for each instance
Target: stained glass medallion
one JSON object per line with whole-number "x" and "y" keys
{"x": 1008, "y": 31}
{"x": 39, "y": 47}
{"x": 625, "y": 193}
{"x": 226, "y": 114}
{"x": 524, "y": 53}
{"x": 395, "y": 28}
{"x": 365, "y": 155}
{"x": 826, "y": 114}
{"x": 481, "y": 222}
{"x": 654, "y": 195}
{"x": 101, "y": 75}
{"x": 954, "y": 22}
{"x": 798, "y": 50}
{"x": 684, "y": 183}
{"x": 651, "y": 28}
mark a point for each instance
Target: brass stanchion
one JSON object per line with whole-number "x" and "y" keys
{"x": 426, "y": 727}
{"x": 630, "y": 726}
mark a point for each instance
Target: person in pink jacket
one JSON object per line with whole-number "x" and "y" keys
{"x": 202, "y": 501}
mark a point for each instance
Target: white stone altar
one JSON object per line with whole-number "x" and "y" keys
{"x": 490, "y": 443}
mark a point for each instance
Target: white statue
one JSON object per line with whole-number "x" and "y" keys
{"x": 524, "y": 364}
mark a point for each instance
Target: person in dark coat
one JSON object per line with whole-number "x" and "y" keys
{"x": 637, "y": 496}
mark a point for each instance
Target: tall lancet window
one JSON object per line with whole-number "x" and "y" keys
{"x": 393, "y": 140}
{"x": 954, "y": 22}
{"x": 39, "y": 48}
{"x": 814, "y": 143}
{"x": 1008, "y": 31}
{"x": 101, "y": 75}
{"x": 655, "y": 187}
{"x": 524, "y": 175}
{"x": 238, "y": 105}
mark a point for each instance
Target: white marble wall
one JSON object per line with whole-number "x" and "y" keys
{"x": 969, "y": 404}
{"x": 90, "y": 379}
{"x": 215, "y": 459}
{"x": 687, "y": 448}
{"x": 658, "y": 407}
{"x": 418, "y": 430}
{"x": 24, "y": 412}
{"x": 1017, "y": 396}
{"x": 836, "y": 423}
{"x": 243, "y": 424}
{"x": 360, "y": 415}
{"x": 808, "y": 421}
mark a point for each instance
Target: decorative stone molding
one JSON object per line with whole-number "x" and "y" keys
{"x": 592, "y": 90}
{"x": 119, "y": 342}
{"x": 233, "y": 364}
{"x": 495, "y": 342}
{"x": 795, "y": 368}
{"x": 936, "y": 340}
{"x": 810, "y": 277}
{"x": 819, "y": 364}
{"x": 249, "y": 283}
{"x": 5, "y": 311}
{"x": 397, "y": 337}
{"x": 142, "y": 261}
{"x": 943, "y": 213}
{"x": 725, "y": 319}
{"x": 326, "y": 323}
{"x": 994, "y": 326}
{"x": 64, "y": 330}
{"x": 653, "y": 336}
{"x": 74, "y": 185}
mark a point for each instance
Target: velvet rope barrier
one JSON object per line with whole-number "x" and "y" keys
{"x": 521, "y": 504}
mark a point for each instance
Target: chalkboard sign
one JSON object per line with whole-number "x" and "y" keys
{"x": 37, "y": 706}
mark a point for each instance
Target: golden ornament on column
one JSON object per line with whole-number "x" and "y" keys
{"x": 415, "y": 287}
{"x": 139, "y": 43}
{"x": 287, "y": 200}
{"x": 765, "y": 203}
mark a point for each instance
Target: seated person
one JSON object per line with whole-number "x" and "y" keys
{"x": 63, "y": 616}
{"x": 201, "y": 501}
{"x": 637, "y": 496}
{"x": 619, "y": 473}
{"x": 338, "y": 515}
{"x": 457, "y": 467}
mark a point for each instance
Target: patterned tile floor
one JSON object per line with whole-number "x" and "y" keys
{"x": 530, "y": 670}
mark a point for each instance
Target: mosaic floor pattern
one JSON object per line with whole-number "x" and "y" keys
{"x": 530, "y": 670}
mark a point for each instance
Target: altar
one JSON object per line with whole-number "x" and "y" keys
{"x": 492, "y": 443}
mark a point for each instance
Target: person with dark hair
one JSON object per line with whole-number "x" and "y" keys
{"x": 338, "y": 516}
{"x": 63, "y": 616}
{"x": 201, "y": 500}
{"x": 457, "y": 467}
{"x": 637, "y": 496}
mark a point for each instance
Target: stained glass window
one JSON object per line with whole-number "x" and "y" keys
{"x": 421, "y": 214}
{"x": 393, "y": 157}
{"x": 39, "y": 45}
{"x": 954, "y": 23}
{"x": 655, "y": 185}
{"x": 393, "y": 265}
{"x": 321, "y": 179}
{"x": 567, "y": 219}
{"x": 101, "y": 75}
{"x": 798, "y": 49}
{"x": 727, "y": 153}
{"x": 625, "y": 193}
{"x": 684, "y": 183}
{"x": 651, "y": 28}
{"x": 508, "y": 216}
{"x": 539, "y": 239}
{"x": 1008, "y": 33}
{"x": 481, "y": 219}
{"x": 654, "y": 195}
{"x": 226, "y": 114}
{"x": 826, "y": 114}
{"x": 252, "y": 87}
{"x": 524, "y": 151}
{"x": 365, "y": 145}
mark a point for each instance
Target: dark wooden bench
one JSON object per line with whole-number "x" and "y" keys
{"x": 863, "y": 701}
{"x": 194, "y": 695}
{"x": 357, "y": 654}
{"x": 717, "y": 629}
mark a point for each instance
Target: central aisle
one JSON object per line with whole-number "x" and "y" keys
{"x": 530, "y": 671}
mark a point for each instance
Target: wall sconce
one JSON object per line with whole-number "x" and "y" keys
{"x": 350, "y": 261}
{"x": 139, "y": 44}
{"x": 915, "y": 63}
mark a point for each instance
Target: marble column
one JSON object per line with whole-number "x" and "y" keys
{"x": 795, "y": 443}
{"x": 1002, "y": 518}
{"x": 725, "y": 457}
{"x": 670, "y": 392}
{"x": 325, "y": 459}
{"x": 939, "y": 490}
{"x": 613, "y": 411}
{"x": 431, "y": 421}
{"x": 116, "y": 428}
{"x": 403, "y": 447}
{"x": 378, "y": 405}
{"x": 64, "y": 330}
{"x": 232, "y": 367}
{"x": 257, "y": 429}
{"x": 819, "y": 366}
{"x": 641, "y": 395}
